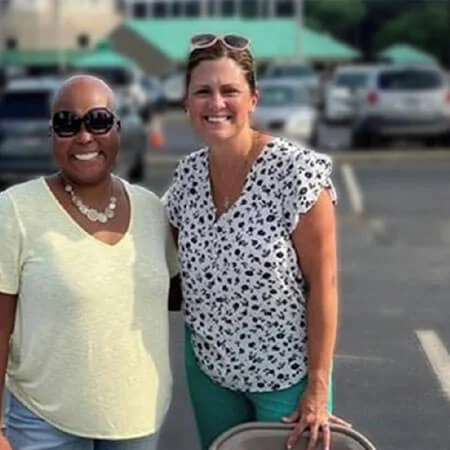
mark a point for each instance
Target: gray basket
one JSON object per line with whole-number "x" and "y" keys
{"x": 273, "y": 435}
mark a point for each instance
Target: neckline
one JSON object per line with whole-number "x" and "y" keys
{"x": 80, "y": 229}
{"x": 268, "y": 145}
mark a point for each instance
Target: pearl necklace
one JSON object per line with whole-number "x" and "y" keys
{"x": 91, "y": 213}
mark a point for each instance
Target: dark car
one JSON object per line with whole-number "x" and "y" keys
{"x": 25, "y": 148}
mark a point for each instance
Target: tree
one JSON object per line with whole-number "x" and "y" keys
{"x": 378, "y": 13}
{"x": 338, "y": 17}
{"x": 426, "y": 27}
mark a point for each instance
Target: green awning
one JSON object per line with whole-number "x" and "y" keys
{"x": 404, "y": 53}
{"x": 103, "y": 56}
{"x": 318, "y": 46}
{"x": 270, "y": 38}
{"x": 277, "y": 38}
{"x": 103, "y": 59}
{"x": 43, "y": 58}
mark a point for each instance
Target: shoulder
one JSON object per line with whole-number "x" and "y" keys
{"x": 142, "y": 196}
{"x": 294, "y": 155}
{"x": 189, "y": 163}
{"x": 22, "y": 193}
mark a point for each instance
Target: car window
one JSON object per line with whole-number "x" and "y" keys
{"x": 25, "y": 105}
{"x": 282, "y": 96}
{"x": 412, "y": 79}
{"x": 289, "y": 71}
{"x": 351, "y": 80}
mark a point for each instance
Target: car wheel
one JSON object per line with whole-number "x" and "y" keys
{"x": 314, "y": 140}
{"x": 361, "y": 140}
{"x": 433, "y": 142}
{"x": 445, "y": 140}
{"x": 137, "y": 171}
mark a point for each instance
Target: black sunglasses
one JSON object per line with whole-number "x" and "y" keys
{"x": 97, "y": 121}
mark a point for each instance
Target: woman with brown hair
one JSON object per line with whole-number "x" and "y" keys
{"x": 254, "y": 220}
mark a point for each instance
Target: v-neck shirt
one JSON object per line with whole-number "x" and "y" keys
{"x": 89, "y": 352}
{"x": 244, "y": 292}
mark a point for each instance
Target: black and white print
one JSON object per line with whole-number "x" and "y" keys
{"x": 244, "y": 293}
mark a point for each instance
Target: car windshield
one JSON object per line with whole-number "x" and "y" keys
{"x": 289, "y": 71}
{"x": 25, "y": 105}
{"x": 351, "y": 80}
{"x": 410, "y": 80}
{"x": 282, "y": 96}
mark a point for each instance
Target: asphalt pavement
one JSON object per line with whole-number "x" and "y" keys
{"x": 392, "y": 367}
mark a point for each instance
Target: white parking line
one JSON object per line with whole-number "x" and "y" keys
{"x": 438, "y": 357}
{"x": 354, "y": 192}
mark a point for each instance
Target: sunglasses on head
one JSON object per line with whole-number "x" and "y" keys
{"x": 97, "y": 121}
{"x": 232, "y": 41}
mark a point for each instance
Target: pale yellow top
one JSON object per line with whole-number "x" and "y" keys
{"x": 90, "y": 348}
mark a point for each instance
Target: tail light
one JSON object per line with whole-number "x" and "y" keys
{"x": 372, "y": 98}
{"x": 447, "y": 97}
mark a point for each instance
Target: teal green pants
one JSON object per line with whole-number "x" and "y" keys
{"x": 218, "y": 409}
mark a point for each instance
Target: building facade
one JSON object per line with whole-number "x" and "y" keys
{"x": 53, "y": 24}
{"x": 141, "y": 9}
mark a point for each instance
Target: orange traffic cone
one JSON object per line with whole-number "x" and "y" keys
{"x": 156, "y": 137}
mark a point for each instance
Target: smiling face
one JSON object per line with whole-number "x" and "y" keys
{"x": 219, "y": 100}
{"x": 85, "y": 158}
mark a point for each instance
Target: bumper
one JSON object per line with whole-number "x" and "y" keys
{"x": 338, "y": 111}
{"x": 404, "y": 127}
{"x": 301, "y": 131}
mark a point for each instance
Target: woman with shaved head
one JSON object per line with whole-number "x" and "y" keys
{"x": 84, "y": 277}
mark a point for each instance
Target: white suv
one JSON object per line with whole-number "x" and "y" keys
{"x": 341, "y": 91}
{"x": 402, "y": 102}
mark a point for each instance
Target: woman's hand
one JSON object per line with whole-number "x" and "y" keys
{"x": 4, "y": 444}
{"x": 313, "y": 415}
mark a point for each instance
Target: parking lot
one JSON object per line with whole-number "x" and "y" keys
{"x": 392, "y": 366}
{"x": 366, "y": 82}
{"x": 394, "y": 242}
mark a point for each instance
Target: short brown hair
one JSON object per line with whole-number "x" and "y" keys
{"x": 243, "y": 59}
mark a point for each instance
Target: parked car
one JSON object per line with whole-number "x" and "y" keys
{"x": 2, "y": 78}
{"x": 341, "y": 91}
{"x": 25, "y": 151}
{"x": 128, "y": 84}
{"x": 403, "y": 102}
{"x": 153, "y": 88}
{"x": 285, "y": 109}
{"x": 173, "y": 88}
{"x": 298, "y": 72}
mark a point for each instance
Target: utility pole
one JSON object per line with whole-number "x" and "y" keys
{"x": 203, "y": 8}
{"x": 272, "y": 9}
{"x": 59, "y": 26}
{"x": 298, "y": 5}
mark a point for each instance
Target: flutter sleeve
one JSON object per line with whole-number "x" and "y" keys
{"x": 309, "y": 173}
